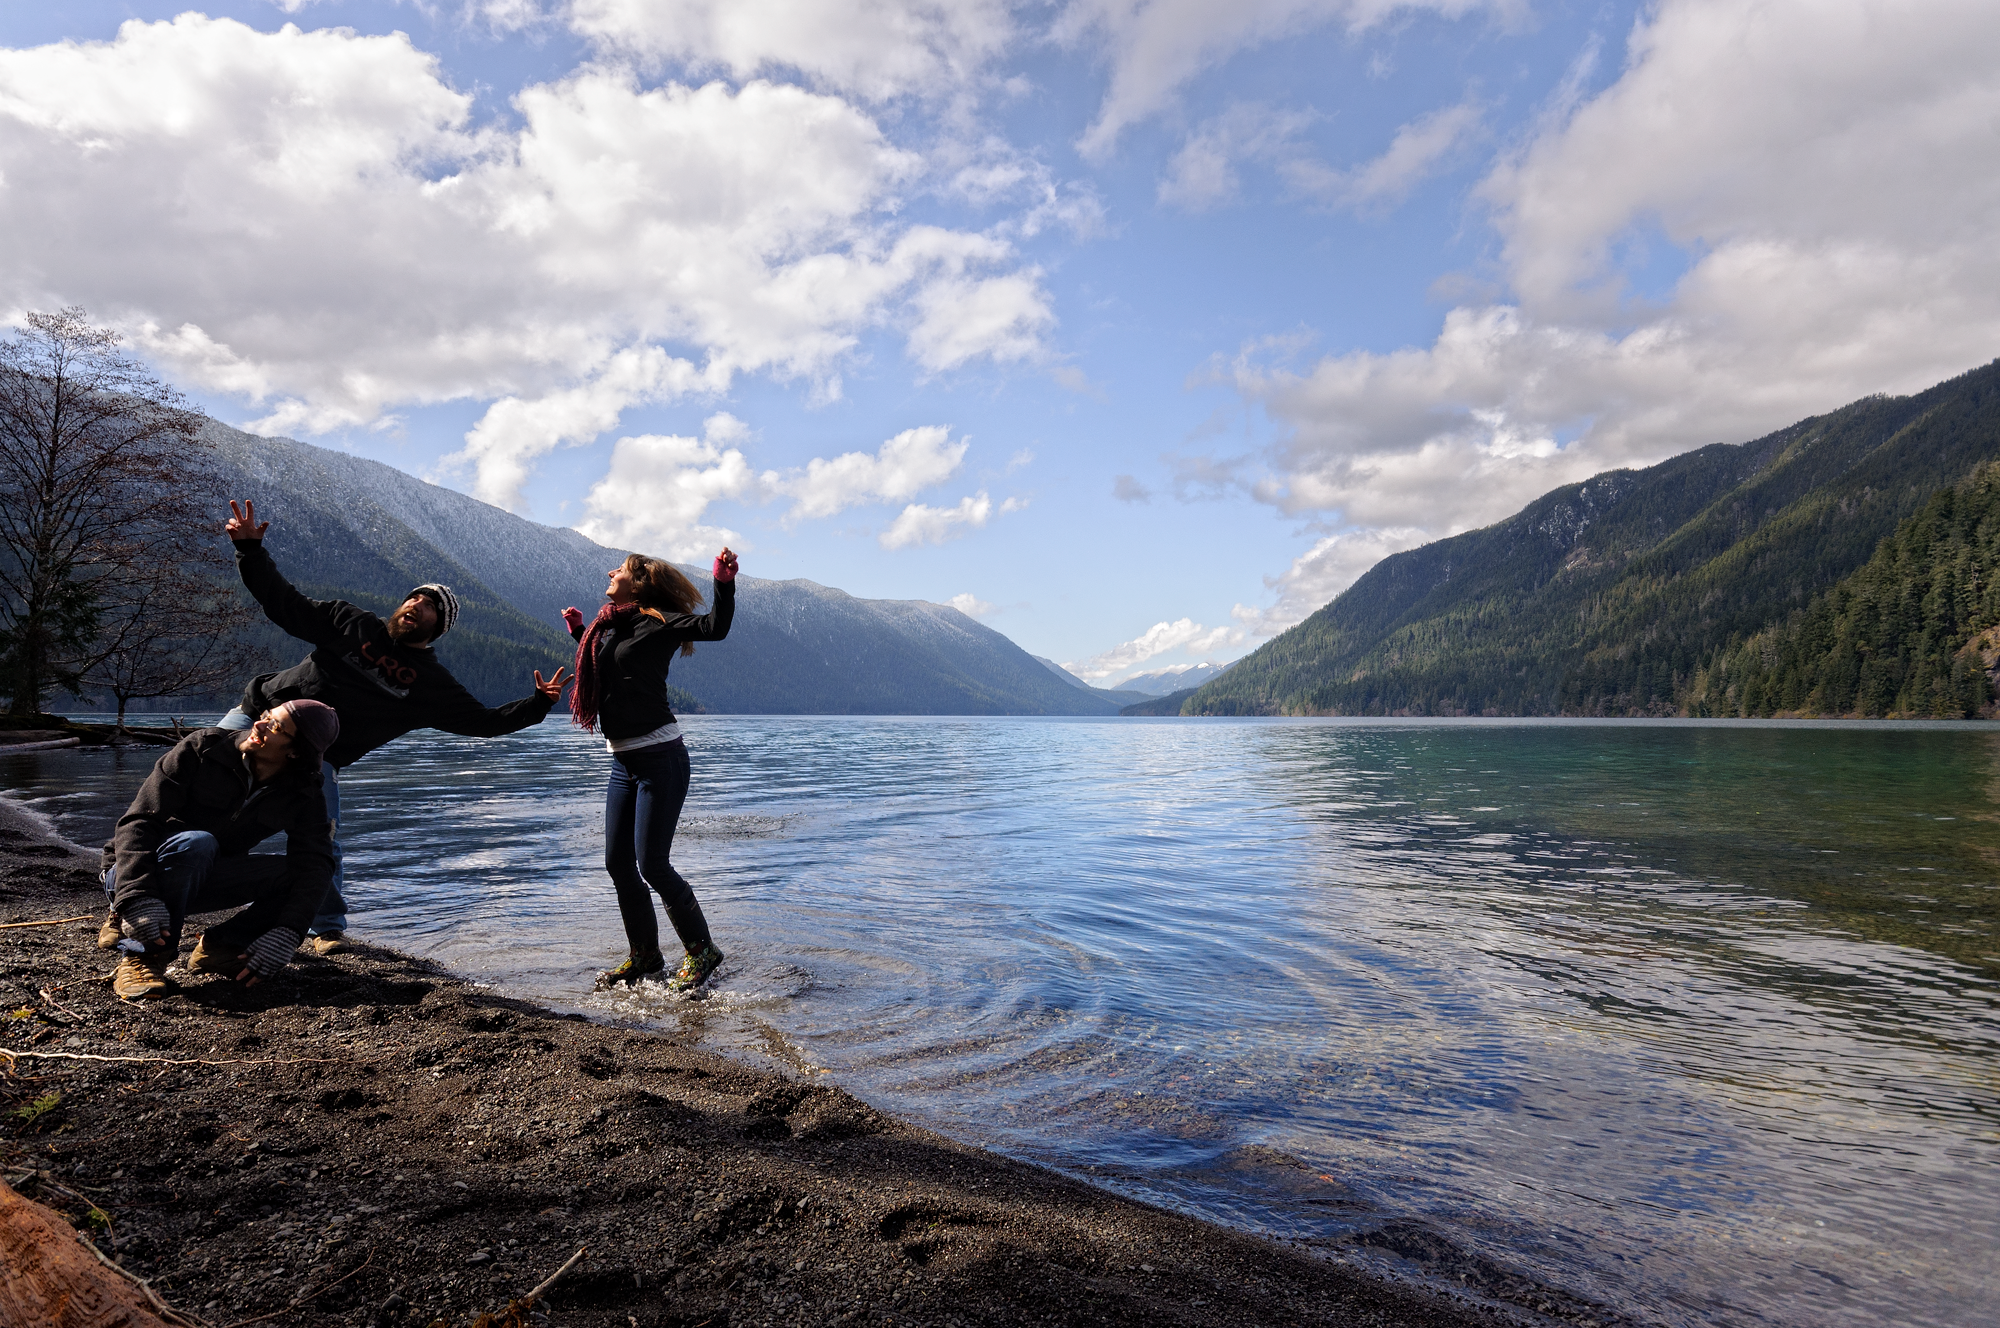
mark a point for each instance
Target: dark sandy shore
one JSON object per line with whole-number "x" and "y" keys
{"x": 371, "y": 1142}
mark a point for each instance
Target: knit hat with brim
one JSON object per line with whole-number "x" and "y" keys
{"x": 318, "y": 725}
{"x": 442, "y": 600}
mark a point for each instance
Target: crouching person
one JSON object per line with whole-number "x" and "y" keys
{"x": 184, "y": 847}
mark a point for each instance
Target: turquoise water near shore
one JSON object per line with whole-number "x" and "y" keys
{"x": 1679, "y": 1022}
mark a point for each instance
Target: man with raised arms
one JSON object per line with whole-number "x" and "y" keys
{"x": 381, "y": 676}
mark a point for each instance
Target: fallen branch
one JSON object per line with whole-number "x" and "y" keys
{"x": 49, "y": 996}
{"x": 536, "y": 1294}
{"x": 50, "y": 1182}
{"x": 161, "y": 1307}
{"x": 516, "y": 1313}
{"x": 297, "y": 1301}
{"x": 48, "y": 922}
{"x": 13, "y": 1056}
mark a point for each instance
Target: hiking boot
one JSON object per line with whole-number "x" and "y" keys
{"x": 695, "y": 968}
{"x": 109, "y": 934}
{"x": 217, "y": 958}
{"x": 141, "y": 977}
{"x": 634, "y": 968}
{"x": 328, "y": 942}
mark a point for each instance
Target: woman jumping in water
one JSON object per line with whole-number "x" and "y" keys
{"x": 621, "y": 689}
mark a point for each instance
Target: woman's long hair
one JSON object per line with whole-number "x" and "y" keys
{"x": 662, "y": 589}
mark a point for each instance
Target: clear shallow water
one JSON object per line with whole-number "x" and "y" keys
{"x": 1695, "y": 1023}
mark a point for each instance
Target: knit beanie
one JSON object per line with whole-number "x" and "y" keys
{"x": 442, "y": 600}
{"x": 318, "y": 725}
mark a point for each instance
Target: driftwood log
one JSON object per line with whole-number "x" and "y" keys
{"x": 49, "y": 1280}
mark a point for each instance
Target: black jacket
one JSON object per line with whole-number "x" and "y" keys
{"x": 632, "y": 658}
{"x": 382, "y": 690}
{"x": 203, "y": 783}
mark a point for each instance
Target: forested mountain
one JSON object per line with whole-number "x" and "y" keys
{"x": 1908, "y": 634}
{"x": 1621, "y": 595}
{"x": 347, "y": 528}
{"x": 1170, "y": 704}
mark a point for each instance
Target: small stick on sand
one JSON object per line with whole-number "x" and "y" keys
{"x": 94, "y": 1207}
{"x": 516, "y": 1313}
{"x": 536, "y": 1294}
{"x": 48, "y": 922}
{"x": 297, "y": 1301}
{"x": 158, "y": 1060}
{"x": 164, "y": 1310}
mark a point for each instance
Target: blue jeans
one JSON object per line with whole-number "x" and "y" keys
{"x": 195, "y": 878}
{"x": 332, "y": 909}
{"x": 642, "y": 805}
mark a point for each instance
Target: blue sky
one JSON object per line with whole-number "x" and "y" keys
{"x": 1138, "y": 328}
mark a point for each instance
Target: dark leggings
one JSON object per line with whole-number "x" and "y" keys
{"x": 642, "y": 805}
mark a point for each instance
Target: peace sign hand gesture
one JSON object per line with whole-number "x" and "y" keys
{"x": 243, "y": 523}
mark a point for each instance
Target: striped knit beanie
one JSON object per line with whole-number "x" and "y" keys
{"x": 443, "y": 601}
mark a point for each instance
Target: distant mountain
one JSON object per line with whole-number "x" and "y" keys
{"x": 1616, "y": 595}
{"x": 1061, "y": 672}
{"x": 1181, "y": 678}
{"x": 1115, "y": 697}
{"x": 348, "y": 528}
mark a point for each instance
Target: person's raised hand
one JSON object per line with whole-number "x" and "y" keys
{"x": 572, "y": 618}
{"x": 553, "y": 687}
{"x": 243, "y": 523}
{"x": 725, "y": 566}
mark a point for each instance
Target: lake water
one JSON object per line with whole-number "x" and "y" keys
{"x": 1685, "y": 1023}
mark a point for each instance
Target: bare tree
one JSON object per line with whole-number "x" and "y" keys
{"x": 174, "y": 630}
{"x": 98, "y": 466}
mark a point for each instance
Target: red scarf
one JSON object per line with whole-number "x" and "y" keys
{"x": 583, "y": 700}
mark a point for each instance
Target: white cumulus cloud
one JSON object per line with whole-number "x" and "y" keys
{"x": 1159, "y": 639}
{"x": 512, "y": 432}
{"x": 919, "y": 524}
{"x": 907, "y": 464}
{"x": 313, "y": 221}
{"x": 658, "y": 490}
{"x": 659, "y": 486}
{"x": 876, "y": 49}
{"x": 962, "y": 314}
{"x": 971, "y": 605}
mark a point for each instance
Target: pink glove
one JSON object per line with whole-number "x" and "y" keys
{"x": 572, "y": 618}
{"x": 725, "y": 567}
